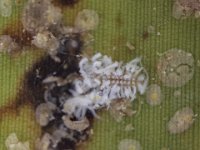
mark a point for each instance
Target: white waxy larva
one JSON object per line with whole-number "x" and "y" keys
{"x": 181, "y": 121}
{"x": 6, "y": 8}
{"x": 105, "y": 83}
{"x": 129, "y": 144}
{"x": 11, "y": 139}
{"x": 78, "y": 105}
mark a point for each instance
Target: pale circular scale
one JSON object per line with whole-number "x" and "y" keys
{"x": 39, "y": 15}
{"x": 87, "y": 20}
{"x": 44, "y": 113}
{"x": 6, "y": 8}
{"x": 175, "y": 68}
{"x": 7, "y": 44}
{"x": 153, "y": 95}
{"x": 129, "y": 144}
{"x": 181, "y": 121}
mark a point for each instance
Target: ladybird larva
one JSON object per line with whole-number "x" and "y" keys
{"x": 39, "y": 15}
{"x": 12, "y": 142}
{"x": 103, "y": 81}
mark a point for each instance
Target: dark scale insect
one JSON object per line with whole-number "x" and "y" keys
{"x": 57, "y": 94}
{"x": 69, "y": 2}
{"x": 47, "y": 66}
{"x": 49, "y": 81}
{"x": 67, "y": 144}
{"x": 44, "y": 68}
{"x": 70, "y": 45}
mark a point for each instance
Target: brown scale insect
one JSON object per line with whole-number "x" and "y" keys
{"x": 79, "y": 125}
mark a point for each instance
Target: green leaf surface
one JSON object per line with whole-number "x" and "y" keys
{"x": 121, "y": 21}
